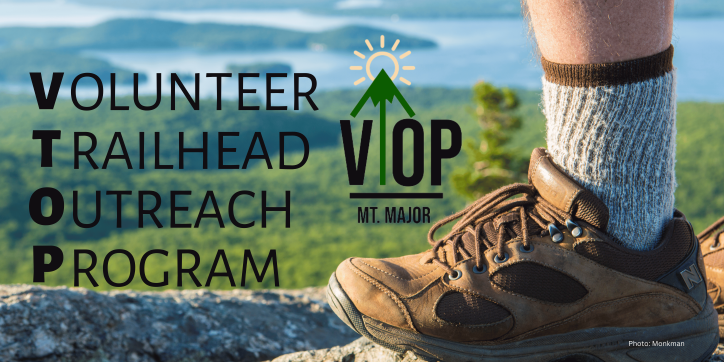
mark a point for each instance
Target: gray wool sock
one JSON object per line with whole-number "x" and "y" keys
{"x": 612, "y": 128}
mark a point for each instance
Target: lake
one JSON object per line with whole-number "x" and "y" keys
{"x": 495, "y": 50}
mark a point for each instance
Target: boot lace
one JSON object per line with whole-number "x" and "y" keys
{"x": 711, "y": 231}
{"x": 497, "y": 208}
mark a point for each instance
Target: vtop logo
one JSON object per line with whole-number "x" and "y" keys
{"x": 381, "y": 91}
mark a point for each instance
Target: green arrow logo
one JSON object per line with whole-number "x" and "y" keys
{"x": 380, "y": 91}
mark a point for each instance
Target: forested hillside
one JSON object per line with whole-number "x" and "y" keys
{"x": 324, "y": 228}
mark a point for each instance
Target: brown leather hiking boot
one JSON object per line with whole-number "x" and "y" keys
{"x": 534, "y": 278}
{"x": 712, "y": 246}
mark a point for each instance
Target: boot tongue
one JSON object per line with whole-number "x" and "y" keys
{"x": 564, "y": 193}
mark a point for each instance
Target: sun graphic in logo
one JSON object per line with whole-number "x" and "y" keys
{"x": 382, "y": 53}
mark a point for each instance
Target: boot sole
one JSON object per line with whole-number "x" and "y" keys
{"x": 698, "y": 334}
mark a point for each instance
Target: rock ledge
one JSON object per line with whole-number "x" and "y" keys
{"x": 76, "y": 324}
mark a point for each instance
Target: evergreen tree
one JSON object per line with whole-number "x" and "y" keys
{"x": 490, "y": 163}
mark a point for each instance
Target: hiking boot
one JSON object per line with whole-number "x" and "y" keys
{"x": 712, "y": 246}
{"x": 534, "y": 278}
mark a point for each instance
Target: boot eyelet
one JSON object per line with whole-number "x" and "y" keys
{"x": 522, "y": 248}
{"x": 576, "y": 230}
{"x": 714, "y": 247}
{"x": 477, "y": 271}
{"x": 498, "y": 260}
{"x": 458, "y": 275}
{"x": 556, "y": 234}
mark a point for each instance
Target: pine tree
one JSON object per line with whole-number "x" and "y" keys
{"x": 490, "y": 163}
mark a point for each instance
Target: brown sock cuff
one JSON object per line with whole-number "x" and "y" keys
{"x": 608, "y": 74}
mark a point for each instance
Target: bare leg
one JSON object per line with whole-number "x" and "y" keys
{"x": 601, "y": 31}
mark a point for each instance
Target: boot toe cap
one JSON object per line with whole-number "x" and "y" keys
{"x": 372, "y": 297}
